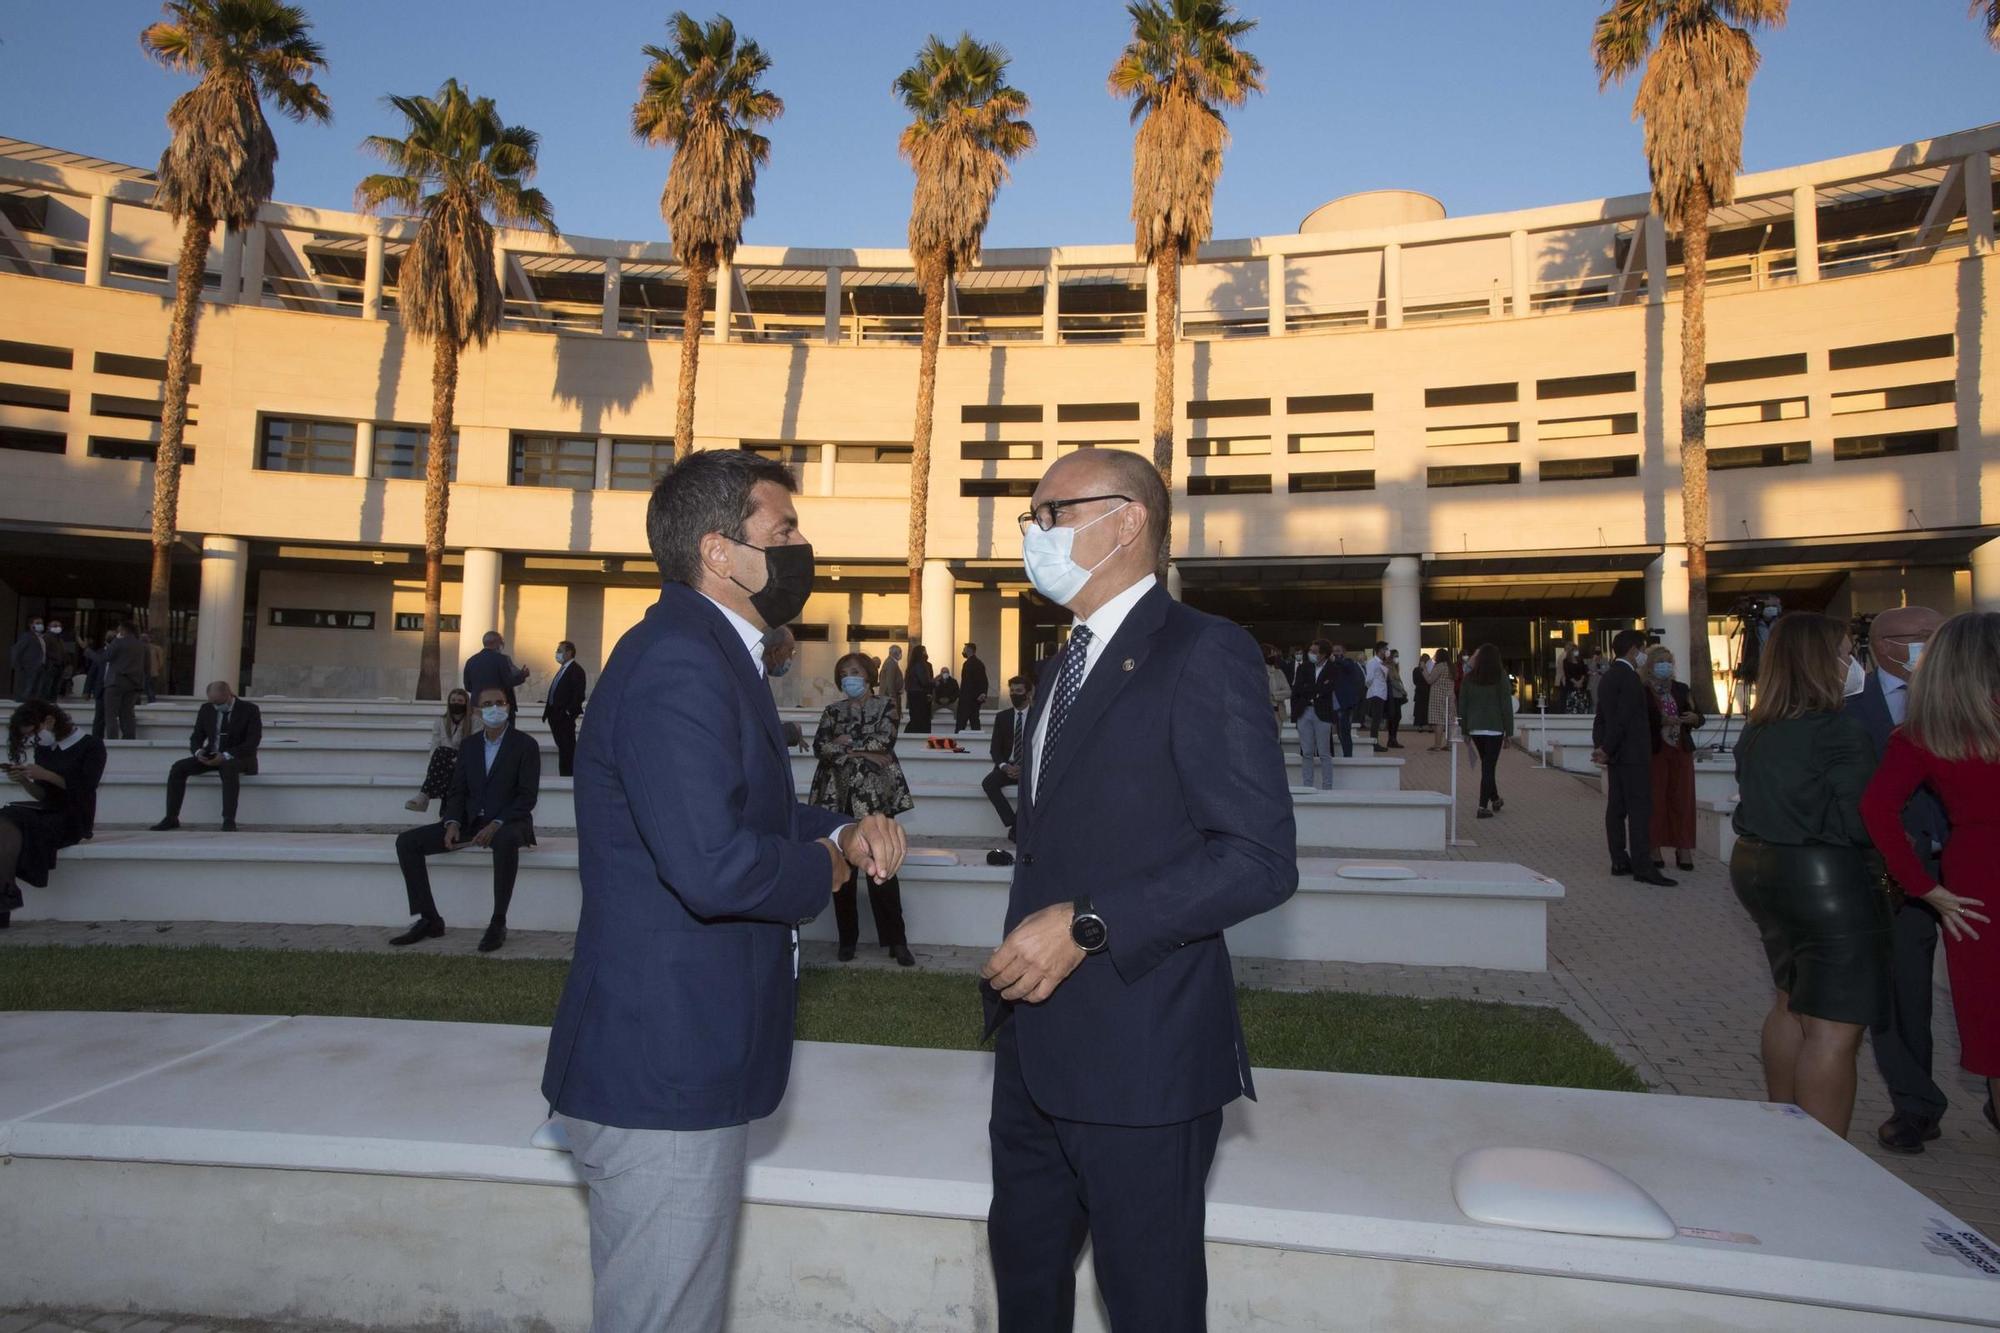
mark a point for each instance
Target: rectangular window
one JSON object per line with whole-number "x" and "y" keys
{"x": 1000, "y": 413}
{"x": 1496, "y": 432}
{"x": 34, "y": 395}
{"x": 36, "y": 354}
{"x": 1886, "y": 400}
{"x": 138, "y": 367}
{"x": 408, "y": 622}
{"x": 636, "y": 464}
{"x": 1583, "y": 428}
{"x": 1070, "y": 446}
{"x": 1770, "y": 409}
{"x": 810, "y": 633}
{"x": 32, "y": 441}
{"x": 1000, "y": 451}
{"x": 1759, "y": 455}
{"x": 796, "y": 457}
{"x": 130, "y": 409}
{"x": 1467, "y": 395}
{"x": 1233, "y": 446}
{"x": 564, "y": 461}
{"x": 1333, "y": 442}
{"x": 134, "y": 451}
{"x": 872, "y": 453}
{"x": 296, "y": 618}
{"x": 984, "y": 488}
{"x": 859, "y": 633}
{"x": 1756, "y": 368}
{"x": 1209, "y": 409}
{"x": 300, "y": 444}
{"x": 1900, "y": 445}
{"x": 1331, "y": 402}
{"x": 1247, "y": 485}
{"x": 1587, "y": 386}
{"x": 1473, "y": 474}
{"x": 1590, "y": 469}
{"x": 1935, "y": 348}
{"x": 1097, "y": 412}
{"x": 1312, "y": 483}
{"x": 404, "y": 452}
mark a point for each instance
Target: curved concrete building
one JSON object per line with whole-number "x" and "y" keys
{"x": 1443, "y": 431}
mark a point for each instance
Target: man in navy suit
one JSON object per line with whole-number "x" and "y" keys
{"x": 490, "y": 803}
{"x": 1349, "y": 685}
{"x": 1903, "y": 1043}
{"x": 698, "y": 865}
{"x": 1155, "y": 814}
{"x": 491, "y": 666}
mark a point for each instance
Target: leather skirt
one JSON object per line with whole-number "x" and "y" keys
{"x": 1825, "y": 922}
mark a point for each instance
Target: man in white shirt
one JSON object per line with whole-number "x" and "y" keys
{"x": 1377, "y": 689}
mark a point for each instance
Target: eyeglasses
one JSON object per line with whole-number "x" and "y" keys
{"x": 1044, "y": 515}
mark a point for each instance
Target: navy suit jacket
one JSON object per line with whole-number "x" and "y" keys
{"x": 1923, "y": 817}
{"x": 697, "y": 862}
{"x": 478, "y": 795}
{"x": 1167, "y": 806}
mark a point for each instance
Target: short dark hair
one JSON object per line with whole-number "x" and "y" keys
{"x": 1017, "y": 680}
{"x": 567, "y": 644}
{"x": 1134, "y": 475}
{"x": 1625, "y": 640}
{"x": 127, "y": 627}
{"x": 1380, "y": 644}
{"x": 708, "y": 491}
{"x": 861, "y": 660}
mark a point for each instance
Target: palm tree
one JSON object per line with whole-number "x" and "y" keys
{"x": 456, "y": 164}
{"x": 1988, "y": 14}
{"x": 700, "y": 97}
{"x": 1181, "y": 68}
{"x": 965, "y": 127}
{"x": 219, "y": 167}
{"x": 1692, "y": 98}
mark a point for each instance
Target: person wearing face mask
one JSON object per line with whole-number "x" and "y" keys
{"x": 1899, "y": 638}
{"x": 448, "y": 735}
{"x": 490, "y": 802}
{"x": 1803, "y": 868}
{"x": 698, "y": 862}
{"x": 564, "y": 705}
{"x": 890, "y": 683}
{"x": 126, "y": 662}
{"x": 920, "y": 684}
{"x": 1673, "y": 762}
{"x": 1486, "y": 716}
{"x": 1154, "y": 815}
{"x": 1314, "y": 711}
{"x": 62, "y": 662}
{"x": 227, "y": 732}
{"x": 972, "y": 690}
{"x": 858, "y": 776}
{"x": 1575, "y": 696}
{"x": 1626, "y": 734}
{"x": 1442, "y": 699}
{"x": 1280, "y": 682}
{"x": 1010, "y": 740}
{"x": 29, "y": 659}
{"x": 491, "y": 666}
{"x": 57, "y": 765}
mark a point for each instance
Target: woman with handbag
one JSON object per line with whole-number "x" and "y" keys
{"x": 1803, "y": 867}
{"x": 1673, "y": 762}
{"x": 1950, "y": 741}
{"x": 858, "y": 775}
{"x": 447, "y": 734}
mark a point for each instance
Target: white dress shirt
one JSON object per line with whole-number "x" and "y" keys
{"x": 493, "y": 748}
{"x": 1104, "y": 622}
{"x": 1376, "y": 677}
{"x": 753, "y": 638}
{"x": 1895, "y": 696}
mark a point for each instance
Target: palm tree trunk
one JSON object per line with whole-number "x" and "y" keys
{"x": 1166, "y": 325}
{"x": 692, "y": 315}
{"x": 173, "y": 428}
{"x": 920, "y": 441}
{"x": 1694, "y": 441}
{"x": 437, "y": 507}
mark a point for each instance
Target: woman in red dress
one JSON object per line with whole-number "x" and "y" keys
{"x": 1950, "y": 739}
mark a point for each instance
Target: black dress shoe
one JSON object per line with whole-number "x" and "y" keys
{"x": 1992, "y": 1117}
{"x": 1621, "y": 867}
{"x": 846, "y": 954}
{"x": 1395, "y": 745}
{"x": 1659, "y": 863}
{"x": 1656, "y": 879}
{"x": 229, "y": 826}
{"x": 1484, "y": 813}
{"x": 426, "y": 928}
{"x": 1906, "y": 1134}
{"x": 167, "y": 825}
{"x": 1498, "y": 805}
{"x": 1683, "y": 863}
{"x": 495, "y": 936}
{"x": 904, "y": 958}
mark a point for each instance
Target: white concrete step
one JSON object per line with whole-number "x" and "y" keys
{"x": 1370, "y": 820}
{"x": 1419, "y": 913}
{"x": 384, "y": 1173}
{"x": 1715, "y": 828}
{"x": 1532, "y": 731}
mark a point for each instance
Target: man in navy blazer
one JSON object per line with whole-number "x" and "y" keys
{"x": 1155, "y": 814}
{"x": 1903, "y": 1042}
{"x": 698, "y": 864}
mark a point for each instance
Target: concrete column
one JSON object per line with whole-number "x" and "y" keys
{"x": 832, "y": 330}
{"x": 1051, "y": 305}
{"x": 479, "y": 594}
{"x": 1402, "y": 609}
{"x": 1978, "y": 173}
{"x": 232, "y": 266}
{"x": 603, "y": 478}
{"x": 940, "y": 599}
{"x": 614, "y": 286}
{"x": 828, "y": 453}
{"x": 1174, "y": 582}
{"x": 253, "y": 266}
{"x": 97, "y": 254}
{"x": 1986, "y": 576}
{"x": 364, "y": 448}
{"x": 1656, "y": 258}
{"x": 225, "y": 573}
{"x": 725, "y": 295}
{"x": 1392, "y": 286}
{"x": 1805, "y": 231}
{"x": 1667, "y": 600}
{"x": 1274, "y": 284}
{"x": 371, "y": 277}
{"x": 1524, "y": 293}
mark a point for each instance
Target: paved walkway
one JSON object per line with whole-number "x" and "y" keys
{"x": 1672, "y": 979}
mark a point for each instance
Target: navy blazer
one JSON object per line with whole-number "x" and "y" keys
{"x": 1924, "y": 818}
{"x": 1627, "y": 725}
{"x": 1167, "y": 805}
{"x": 697, "y": 862}
{"x": 507, "y": 792}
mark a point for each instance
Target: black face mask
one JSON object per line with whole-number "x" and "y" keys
{"x": 1018, "y": 700}
{"x": 788, "y": 581}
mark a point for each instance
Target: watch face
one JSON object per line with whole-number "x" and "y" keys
{"x": 1089, "y": 933}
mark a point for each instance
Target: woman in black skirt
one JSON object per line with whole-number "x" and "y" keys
{"x": 918, "y": 684}
{"x": 1803, "y": 867}
{"x": 447, "y": 734}
{"x": 57, "y": 766}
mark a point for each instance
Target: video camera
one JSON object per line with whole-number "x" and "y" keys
{"x": 1753, "y": 613}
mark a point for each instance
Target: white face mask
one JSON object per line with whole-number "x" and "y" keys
{"x": 1045, "y": 555}
{"x": 1913, "y": 656}
{"x": 494, "y": 715}
{"x": 1857, "y": 679}
{"x": 45, "y": 737}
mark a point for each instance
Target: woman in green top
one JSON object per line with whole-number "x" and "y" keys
{"x": 1801, "y": 866}
{"x": 1486, "y": 714}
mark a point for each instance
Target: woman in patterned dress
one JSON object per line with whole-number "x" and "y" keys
{"x": 1443, "y": 698}
{"x": 858, "y": 775}
{"x": 447, "y": 734}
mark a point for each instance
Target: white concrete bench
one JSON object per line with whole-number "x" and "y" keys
{"x": 1714, "y": 777}
{"x": 382, "y": 1173}
{"x": 1431, "y": 914}
{"x": 1715, "y": 828}
{"x": 1574, "y": 730}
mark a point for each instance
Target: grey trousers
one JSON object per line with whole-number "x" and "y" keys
{"x": 663, "y": 1206}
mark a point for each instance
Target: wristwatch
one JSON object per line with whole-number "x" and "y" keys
{"x": 1087, "y": 928}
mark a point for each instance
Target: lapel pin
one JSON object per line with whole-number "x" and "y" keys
{"x": 1128, "y": 664}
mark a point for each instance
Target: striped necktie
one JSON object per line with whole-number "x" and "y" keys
{"x": 1068, "y": 682}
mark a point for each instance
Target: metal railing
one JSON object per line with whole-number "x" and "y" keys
{"x": 1895, "y": 249}
{"x": 1214, "y": 325}
{"x": 550, "y": 316}
{"x": 319, "y": 296}
{"x": 1117, "y": 326}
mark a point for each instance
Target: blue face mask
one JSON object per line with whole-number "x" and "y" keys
{"x": 853, "y": 686}
{"x": 1664, "y": 670}
{"x": 1916, "y": 653}
{"x": 775, "y": 671}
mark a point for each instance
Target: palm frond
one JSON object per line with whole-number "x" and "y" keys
{"x": 1988, "y": 14}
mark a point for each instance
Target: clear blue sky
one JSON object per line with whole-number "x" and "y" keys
{"x": 1488, "y": 104}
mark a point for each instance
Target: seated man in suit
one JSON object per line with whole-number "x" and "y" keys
{"x": 564, "y": 706}
{"x": 224, "y": 742}
{"x": 491, "y": 666}
{"x": 1010, "y": 737}
{"x": 490, "y": 803}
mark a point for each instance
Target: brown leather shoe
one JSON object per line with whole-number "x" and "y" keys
{"x": 1906, "y": 1134}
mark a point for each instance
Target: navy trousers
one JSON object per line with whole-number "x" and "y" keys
{"x": 1138, "y": 1194}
